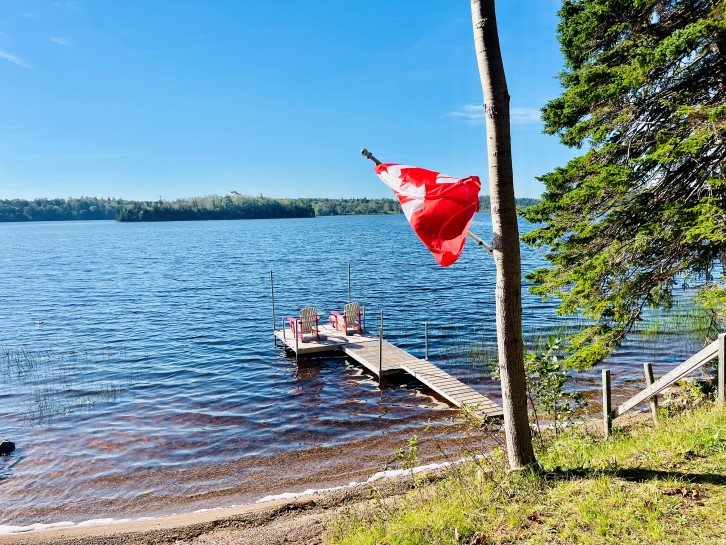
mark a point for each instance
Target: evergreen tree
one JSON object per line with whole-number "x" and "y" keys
{"x": 643, "y": 210}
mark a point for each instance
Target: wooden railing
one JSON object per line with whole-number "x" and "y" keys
{"x": 717, "y": 347}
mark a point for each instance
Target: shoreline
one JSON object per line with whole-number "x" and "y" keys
{"x": 173, "y": 527}
{"x": 282, "y": 477}
{"x": 297, "y": 518}
{"x": 289, "y": 518}
{"x": 443, "y": 448}
{"x": 440, "y": 446}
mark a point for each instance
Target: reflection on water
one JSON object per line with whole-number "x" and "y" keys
{"x": 138, "y": 373}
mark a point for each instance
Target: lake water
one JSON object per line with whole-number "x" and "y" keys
{"x": 138, "y": 374}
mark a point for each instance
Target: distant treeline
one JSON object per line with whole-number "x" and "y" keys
{"x": 84, "y": 208}
{"x": 214, "y": 207}
{"x": 199, "y": 208}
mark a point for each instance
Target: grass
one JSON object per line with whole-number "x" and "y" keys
{"x": 687, "y": 317}
{"x": 663, "y": 484}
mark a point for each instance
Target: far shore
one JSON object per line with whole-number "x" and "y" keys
{"x": 210, "y": 207}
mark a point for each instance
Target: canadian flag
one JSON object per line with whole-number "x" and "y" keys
{"x": 439, "y": 208}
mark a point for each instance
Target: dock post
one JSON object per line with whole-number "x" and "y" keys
{"x": 649, "y": 380}
{"x": 380, "y": 351}
{"x": 296, "y": 339}
{"x": 349, "y": 281}
{"x": 272, "y": 289}
{"x": 721, "y": 368}
{"x": 284, "y": 336}
{"x": 426, "y": 340}
{"x": 607, "y": 405}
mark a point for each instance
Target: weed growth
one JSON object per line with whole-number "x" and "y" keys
{"x": 408, "y": 455}
{"x": 60, "y": 382}
{"x": 662, "y": 485}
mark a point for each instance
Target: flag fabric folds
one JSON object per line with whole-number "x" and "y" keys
{"x": 439, "y": 208}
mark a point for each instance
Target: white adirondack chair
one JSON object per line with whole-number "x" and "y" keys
{"x": 351, "y": 318}
{"x": 306, "y": 323}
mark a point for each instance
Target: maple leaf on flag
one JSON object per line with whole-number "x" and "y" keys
{"x": 439, "y": 208}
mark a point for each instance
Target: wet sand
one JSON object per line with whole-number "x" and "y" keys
{"x": 300, "y": 521}
{"x": 186, "y": 528}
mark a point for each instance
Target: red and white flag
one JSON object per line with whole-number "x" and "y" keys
{"x": 439, "y": 208}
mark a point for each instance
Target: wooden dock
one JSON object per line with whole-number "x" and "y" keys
{"x": 454, "y": 391}
{"x": 382, "y": 358}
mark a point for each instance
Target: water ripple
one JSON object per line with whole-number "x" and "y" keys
{"x": 138, "y": 370}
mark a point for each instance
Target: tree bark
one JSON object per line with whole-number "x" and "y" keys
{"x": 506, "y": 235}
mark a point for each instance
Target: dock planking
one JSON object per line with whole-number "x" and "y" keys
{"x": 455, "y": 391}
{"x": 367, "y": 350}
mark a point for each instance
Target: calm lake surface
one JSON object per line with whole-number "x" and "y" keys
{"x": 138, "y": 374}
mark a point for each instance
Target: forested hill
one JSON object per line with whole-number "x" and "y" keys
{"x": 200, "y": 208}
{"x": 216, "y": 208}
{"x": 84, "y": 208}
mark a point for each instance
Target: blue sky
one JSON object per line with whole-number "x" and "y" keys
{"x": 147, "y": 99}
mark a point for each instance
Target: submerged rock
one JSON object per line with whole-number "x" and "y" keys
{"x": 6, "y": 447}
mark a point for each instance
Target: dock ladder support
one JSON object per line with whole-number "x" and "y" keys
{"x": 380, "y": 351}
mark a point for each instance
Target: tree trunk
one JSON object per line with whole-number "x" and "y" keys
{"x": 506, "y": 235}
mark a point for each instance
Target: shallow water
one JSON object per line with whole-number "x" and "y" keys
{"x": 138, "y": 373}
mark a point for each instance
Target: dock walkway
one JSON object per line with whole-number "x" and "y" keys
{"x": 382, "y": 358}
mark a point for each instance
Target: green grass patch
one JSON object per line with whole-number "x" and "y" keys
{"x": 660, "y": 485}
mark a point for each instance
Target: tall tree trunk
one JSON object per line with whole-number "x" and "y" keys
{"x": 506, "y": 235}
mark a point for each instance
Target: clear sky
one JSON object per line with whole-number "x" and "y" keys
{"x": 142, "y": 99}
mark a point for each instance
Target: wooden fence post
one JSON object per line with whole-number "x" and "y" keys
{"x": 649, "y": 380}
{"x": 721, "y": 367}
{"x": 607, "y": 404}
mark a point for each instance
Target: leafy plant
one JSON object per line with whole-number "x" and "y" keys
{"x": 408, "y": 456}
{"x": 547, "y": 377}
{"x": 688, "y": 396}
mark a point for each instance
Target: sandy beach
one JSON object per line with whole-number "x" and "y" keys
{"x": 299, "y": 521}
{"x": 273, "y": 522}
